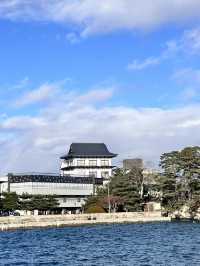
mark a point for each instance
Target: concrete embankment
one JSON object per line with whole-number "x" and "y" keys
{"x": 25, "y": 222}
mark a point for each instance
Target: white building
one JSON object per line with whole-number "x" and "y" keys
{"x": 70, "y": 192}
{"x": 88, "y": 159}
{"x": 82, "y": 169}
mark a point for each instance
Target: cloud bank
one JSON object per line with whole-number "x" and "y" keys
{"x": 35, "y": 142}
{"x": 94, "y": 16}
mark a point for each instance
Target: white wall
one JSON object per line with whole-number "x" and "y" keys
{"x": 68, "y": 189}
{"x": 85, "y": 172}
{"x": 71, "y": 195}
{"x": 71, "y": 202}
{"x": 3, "y": 184}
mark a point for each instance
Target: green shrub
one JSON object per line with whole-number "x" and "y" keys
{"x": 95, "y": 209}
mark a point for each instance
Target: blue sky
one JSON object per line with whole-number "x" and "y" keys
{"x": 124, "y": 72}
{"x": 41, "y": 52}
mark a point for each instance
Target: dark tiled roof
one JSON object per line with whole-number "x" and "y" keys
{"x": 24, "y": 178}
{"x": 88, "y": 150}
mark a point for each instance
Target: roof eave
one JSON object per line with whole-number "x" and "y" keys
{"x": 111, "y": 155}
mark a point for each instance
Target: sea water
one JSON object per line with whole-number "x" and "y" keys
{"x": 126, "y": 244}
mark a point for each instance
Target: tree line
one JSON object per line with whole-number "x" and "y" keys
{"x": 176, "y": 184}
{"x": 180, "y": 179}
{"x": 127, "y": 192}
{"x": 10, "y": 202}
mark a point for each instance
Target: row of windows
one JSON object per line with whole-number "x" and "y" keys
{"x": 71, "y": 200}
{"x": 92, "y": 163}
{"x": 104, "y": 174}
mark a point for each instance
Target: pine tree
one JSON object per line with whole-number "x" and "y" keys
{"x": 180, "y": 182}
{"x": 10, "y": 201}
{"x": 128, "y": 189}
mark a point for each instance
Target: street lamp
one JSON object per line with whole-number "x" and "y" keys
{"x": 109, "y": 205}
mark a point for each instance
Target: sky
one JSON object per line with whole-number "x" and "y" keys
{"x": 122, "y": 72}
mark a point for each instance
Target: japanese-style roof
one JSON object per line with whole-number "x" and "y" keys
{"x": 88, "y": 150}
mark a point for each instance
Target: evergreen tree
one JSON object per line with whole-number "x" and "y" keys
{"x": 51, "y": 202}
{"x": 10, "y": 201}
{"x": 38, "y": 202}
{"x": 169, "y": 196}
{"x": 42, "y": 202}
{"x": 180, "y": 178}
{"x": 128, "y": 188}
{"x": 25, "y": 201}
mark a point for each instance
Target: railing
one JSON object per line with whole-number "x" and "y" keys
{"x": 46, "y": 174}
{"x": 33, "y": 173}
{"x": 52, "y": 178}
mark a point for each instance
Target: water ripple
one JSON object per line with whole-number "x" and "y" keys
{"x": 119, "y": 245}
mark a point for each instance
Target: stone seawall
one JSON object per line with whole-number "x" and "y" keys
{"x": 25, "y": 222}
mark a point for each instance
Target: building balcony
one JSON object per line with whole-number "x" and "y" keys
{"x": 86, "y": 167}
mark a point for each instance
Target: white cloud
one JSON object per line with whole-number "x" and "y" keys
{"x": 190, "y": 41}
{"x": 55, "y": 93}
{"x": 22, "y": 123}
{"x": 96, "y": 95}
{"x": 188, "y": 77}
{"x": 190, "y": 124}
{"x": 94, "y": 16}
{"x": 72, "y": 38}
{"x": 187, "y": 44}
{"x": 148, "y": 62}
{"x": 35, "y": 142}
{"x": 44, "y": 92}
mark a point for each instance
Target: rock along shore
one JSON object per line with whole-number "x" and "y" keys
{"x": 26, "y": 222}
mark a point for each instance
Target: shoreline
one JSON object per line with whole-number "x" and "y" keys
{"x": 56, "y": 221}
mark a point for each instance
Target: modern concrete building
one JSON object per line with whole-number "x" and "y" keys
{"x": 70, "y": 192}
{"x": 128, "y": 164}
{"x": 83, "y": 169}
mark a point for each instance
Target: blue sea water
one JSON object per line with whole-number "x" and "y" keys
{"x": 127, "y": 244}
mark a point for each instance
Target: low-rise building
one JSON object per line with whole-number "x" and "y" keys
{"x": 70, "y": 192}
{"x": 85, "y": 167}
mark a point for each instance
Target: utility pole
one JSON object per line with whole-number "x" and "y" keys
{"x": 109, "y": 205}
{"x": 8, "y": 189}
{"x": 93, "y": 179}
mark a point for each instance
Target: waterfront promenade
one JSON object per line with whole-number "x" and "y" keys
{"x": 25, "y": 222}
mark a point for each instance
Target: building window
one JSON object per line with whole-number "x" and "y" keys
{"x": 93, "y": 174}
{"x": 92, "y": 162}
{"x": 104, "y": 162}
{"x": 105, "y": 175}
{"x": 68, "y": 162}
{"x": 80, "y": 162}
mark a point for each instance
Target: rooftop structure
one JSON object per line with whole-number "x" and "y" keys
{"x": 88, "y": 150}
{"x": 128, "y": 164}
{"x": 88, "y": 159}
